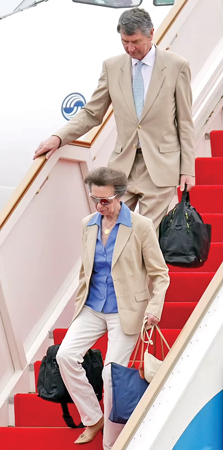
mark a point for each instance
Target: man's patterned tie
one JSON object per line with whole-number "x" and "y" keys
{"x": 138, "y": 89}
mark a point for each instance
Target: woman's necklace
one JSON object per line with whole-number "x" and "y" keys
{"x": 107, "y": 229}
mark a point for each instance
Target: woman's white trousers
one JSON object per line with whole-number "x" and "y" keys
{"x": 84, "y": 331}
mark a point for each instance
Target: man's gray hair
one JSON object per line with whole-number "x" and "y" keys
{"x": 104, "y": 176}
{"x": 135, "y": 19}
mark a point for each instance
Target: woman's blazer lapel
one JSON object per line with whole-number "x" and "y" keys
{"x": 123, "y": 236}
{"x": 89, "y": 251}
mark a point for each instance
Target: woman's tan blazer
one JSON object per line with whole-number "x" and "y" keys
{"x": 165, "y": 130}
{"x": 136, "y": 256}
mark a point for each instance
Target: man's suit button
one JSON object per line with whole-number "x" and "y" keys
{"x": 135, "y": 146}
{"x": 139, "y": 126}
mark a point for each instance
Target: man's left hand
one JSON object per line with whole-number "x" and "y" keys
{"x": 188, "y": 180}
{"x": 151, "y": 321}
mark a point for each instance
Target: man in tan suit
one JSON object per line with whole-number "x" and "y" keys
{"x": 155, "y": 141}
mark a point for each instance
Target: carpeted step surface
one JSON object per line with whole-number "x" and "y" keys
{"x": 206, "y": 199}
{"x": 19, "y": 438}
{"x": 169, "y": 334}
{"x": 212, "y": 264}
{"x": 35, "y": 417}
{"x": 33, "y": 411}
{"x": 175, "y": 315}
{"x": 187, "y": 286}
{"x": 216, "y": 222}
{"x": 216, "y": 138}
{"x": 101, "y": 343}
{"x": 209, "y": 171}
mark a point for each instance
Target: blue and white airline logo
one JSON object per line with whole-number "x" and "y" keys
{"x": 72, "y": 104}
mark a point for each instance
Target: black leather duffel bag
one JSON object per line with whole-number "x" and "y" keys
{"x": 184, "y": 237}
{"x": 51, "y": 387}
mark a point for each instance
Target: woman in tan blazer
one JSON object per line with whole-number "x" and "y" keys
{"x": 119, "y": 251}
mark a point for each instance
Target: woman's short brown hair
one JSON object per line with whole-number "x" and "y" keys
{"x": 104, "y": 176}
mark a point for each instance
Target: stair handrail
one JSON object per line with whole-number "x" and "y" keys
{"x": 38, "y": 165}
{"x": 90, "y": 137}
{"x": 170, "y": 361}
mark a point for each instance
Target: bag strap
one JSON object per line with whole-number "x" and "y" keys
{"x": 141, "y": 340}
{"x": 67, "y": 417}
{"x": 140, "y": 368}
{"x": 141, "y": 364}
{"x": 145, "y": 332}
{"x": 154, "y": 345}
{"x": 136, "y": 351}
{"x": 185, "y": 199}
{"x": 162, "y": 337}
{"x": 149, "y": 336}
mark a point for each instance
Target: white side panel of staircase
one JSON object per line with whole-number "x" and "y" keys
{"x": 189, "y": 36}
{"x": 214, "y": 122}
{"x": 195, "y": 380}
{"x": 42, "y": 249}
{"x": 6, "y": 369}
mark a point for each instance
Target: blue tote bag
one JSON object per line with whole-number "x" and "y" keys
{"x": 127, "y": 389}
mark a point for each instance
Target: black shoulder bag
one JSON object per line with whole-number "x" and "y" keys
{"x": 51, "y": 387}
{"x": 184, "y": 237}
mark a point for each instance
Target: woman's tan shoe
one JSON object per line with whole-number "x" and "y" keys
{"x": 90, "y": 432}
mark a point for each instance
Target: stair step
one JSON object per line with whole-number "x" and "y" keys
{"x": 175, "y": 315}
{"x": 212, "y": 264}
{"x": 216, "y": 138}
{"x": 44, "y": 438}
{"x": 206, "y": 199}
{"x": 209, "y": 171}
{"x": 187, "y": 287}
{"x": 39, "y": 423}
{"x": 33, "y": 411}
{"x": 170, "y": 335}
{"x": 216, "y": 222}
{"x": 59, "y": 333}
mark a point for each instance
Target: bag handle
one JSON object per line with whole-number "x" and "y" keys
{"x": 162, "y": 337}
{"x": 136, "y": 351}
{"x": 68, "y": 418}
{"x": 185, "y": 199}
{"x": 140, "y": 368}
{"x": 149, "y": 341}
{"x": 142, "y": 341}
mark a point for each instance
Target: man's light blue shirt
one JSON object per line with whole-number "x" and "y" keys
{"x": 101, "y": 296}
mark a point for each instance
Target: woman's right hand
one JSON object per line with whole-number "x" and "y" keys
{"x": 152, "y": 321}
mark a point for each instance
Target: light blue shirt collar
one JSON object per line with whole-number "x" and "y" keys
{"x": 124, "y": 217}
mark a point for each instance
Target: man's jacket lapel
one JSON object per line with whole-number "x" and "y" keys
{"x": 125, "y": 81}
{"x": 156, "y": 82}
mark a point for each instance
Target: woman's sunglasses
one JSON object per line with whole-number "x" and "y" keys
{"x": 103, "y": 200}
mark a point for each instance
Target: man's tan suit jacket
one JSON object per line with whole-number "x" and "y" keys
{"x": 136, "y": 255}
{"x": 165, "y": 130}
